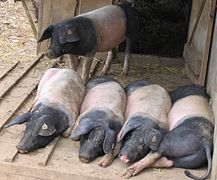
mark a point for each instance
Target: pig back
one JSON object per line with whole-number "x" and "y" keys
{"x": 189, "y": 101}
{"x": 151, "y": 101}
{"x": 110, "y": 25}
{"x": 64, "y": 90}
{"x": 108, "y": 95}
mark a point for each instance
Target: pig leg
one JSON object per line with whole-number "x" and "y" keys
{"x": 73, "y": 62}
{"x": 107, "y": 65}
{"x": 127, "y": 57}
{"x": 142, "y": 164}
{"x": 108, "y": 158}
{"x": 163, "y": 162}
{"x": 86, "y": 68}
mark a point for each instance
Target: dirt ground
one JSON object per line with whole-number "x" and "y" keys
{"x": 17, "y": 41}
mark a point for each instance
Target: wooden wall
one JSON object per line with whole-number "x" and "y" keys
{"x": 211, "y": 84}
{"x": 196, "y": 51}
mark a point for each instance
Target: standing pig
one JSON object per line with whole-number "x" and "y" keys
{"x": 146, "y": 113}
{"x": 96, "y": 31}
{"x": 101, "y": 118}
{"x": 189, "y": 142}
{"x": 57, "y": 104}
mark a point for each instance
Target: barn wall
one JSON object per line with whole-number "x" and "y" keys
{"x": 196, "y": 51}
{"x": 211, "y": 85}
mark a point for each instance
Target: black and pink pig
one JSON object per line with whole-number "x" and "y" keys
{"x": 96, "y": 31}
{"x": 100, "y": 119}
{"x": 56, "y": 107}
{"x": 189, "y": 143}
{"x": 146, "y": 122}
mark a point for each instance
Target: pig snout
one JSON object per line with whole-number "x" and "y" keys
{"x": 124, "y": 158}
{"x": 50, "y": 54}
{"x": 21, "y": 149}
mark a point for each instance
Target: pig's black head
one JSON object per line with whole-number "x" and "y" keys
{"x": 138, "y": 136}
{"x": 63, "y": 39}
{"x": 97, "y": 136}
{"x": 75, "y": 36}
{"x": 41, "y": 128}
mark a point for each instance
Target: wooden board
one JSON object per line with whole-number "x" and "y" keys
{"x": 211, "y": 85}
{"x": 196, "y": 52}
{"x": 64, "y": 163}
{"x": 87, "y": 5}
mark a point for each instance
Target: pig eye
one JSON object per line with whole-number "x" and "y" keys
{"x": 97, "y": 136}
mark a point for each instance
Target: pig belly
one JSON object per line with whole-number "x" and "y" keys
{"x": 106, "y": 95}
{"x": 110, "y": 23}
{"x": 187, "y": 107}
{"x": 152, "y": 100}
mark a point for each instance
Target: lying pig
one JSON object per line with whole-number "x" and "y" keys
{"x": 189, "y": 142}
{"x": 96, "y": 31}
{"x": 101, "y": 118}
{"x": 59, "y": 96}
{"x": 146, "y": 113}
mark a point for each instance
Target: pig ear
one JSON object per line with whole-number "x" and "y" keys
{"x": 109, "y": 141}
{"x": 46, "y": 130}
{"x": 130, "y": 126}
{"x": 85, "y": 126}
{"x": 153, "y": 138}
{"x": 47, "y": 33}
{"x": 19, "y": 119}
{"x": 67, "y": 35}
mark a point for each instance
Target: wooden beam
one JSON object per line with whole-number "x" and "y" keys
{"x": 203, "y": 70}
{"x": 214, "y": 158}
{"x": 31, "y": 16}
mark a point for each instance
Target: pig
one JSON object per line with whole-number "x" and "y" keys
{"x": 59, "y": 96}
{"x": 96, "y": 31}
{"x": 146, "y": 122}
{"x": 100, "y": 119}
{"x": 188, "y": 144}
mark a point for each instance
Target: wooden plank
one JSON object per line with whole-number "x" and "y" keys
{"x": 3, "y": 93}
{"x": 203, "y": 70}
{"x": 193, "y": 58}
{"x": 48, "y": 151}
{"x": 139, "y": 59}
{"x": 190, "y": 74}
{"x": 87, "y": 5}
{"x": 44, "y": 19}
{"x": 9, "y": 70}
{"x": 214, "y": 158}
{"x": 30, "y": 16}
{"x": 197, "y": 21}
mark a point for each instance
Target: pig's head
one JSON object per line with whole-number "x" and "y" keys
{"x": 63, "y": 39}
{"x": 75, "y": 36}
{"x": 41, "y": 128}
{"x": 97, "y": 137}
{"x": 138, "y": 137}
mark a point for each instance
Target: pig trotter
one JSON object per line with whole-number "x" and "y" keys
{"x": 133, "y": 170}
{"x": 106, "y": 160}
{"x": 127, "y": 58}
{"x": 107, "y": 65}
